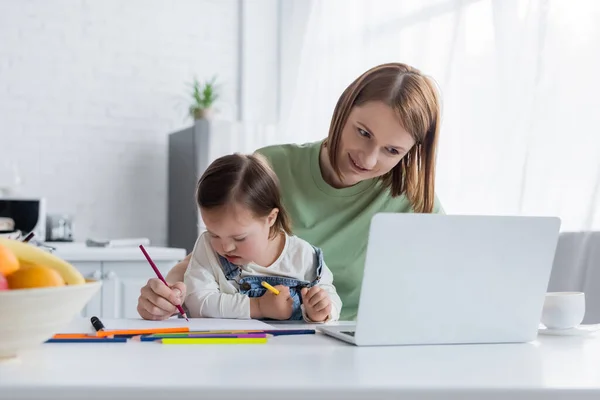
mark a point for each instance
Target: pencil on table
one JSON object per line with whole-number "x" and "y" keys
{"x": 239, "y": 340}
{"x": 133, "y": 332}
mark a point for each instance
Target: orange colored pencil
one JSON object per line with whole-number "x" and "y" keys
{"x": 141, "y": 331}
{"x": 72, "y": 336}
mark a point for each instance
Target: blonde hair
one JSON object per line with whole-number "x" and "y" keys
{"x": 247, "y": 180}
{"x": 415, "y": 100}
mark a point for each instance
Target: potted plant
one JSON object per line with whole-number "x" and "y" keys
{"x": 204, "y": 95}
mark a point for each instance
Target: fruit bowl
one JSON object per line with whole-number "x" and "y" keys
{"x": 40, "y": 294}
{"x": 29, "y": 317}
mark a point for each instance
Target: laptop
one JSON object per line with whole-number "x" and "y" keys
{"x": 452, "y": 279}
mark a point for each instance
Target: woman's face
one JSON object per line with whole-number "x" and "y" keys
{"x": 373, "y": 141}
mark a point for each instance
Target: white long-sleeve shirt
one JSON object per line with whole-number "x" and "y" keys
{"x": 211, "y": 294}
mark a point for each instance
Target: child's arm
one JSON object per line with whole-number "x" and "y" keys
{"x": 326, "y": 285}
{"x": 204, "y": 297}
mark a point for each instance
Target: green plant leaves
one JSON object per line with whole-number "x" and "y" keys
{"x": 204, "y": 94}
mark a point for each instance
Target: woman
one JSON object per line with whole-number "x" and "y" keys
{"x": 379, "y": 156}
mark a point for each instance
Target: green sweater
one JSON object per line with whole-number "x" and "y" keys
{"x": 336, "y": 220}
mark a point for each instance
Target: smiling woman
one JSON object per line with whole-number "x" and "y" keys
{"x": 379, "y": 156}
{"x": 374, "y": 142}
{"x": 402, "y": 107}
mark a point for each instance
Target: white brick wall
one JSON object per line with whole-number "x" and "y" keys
{"x": 89, "y": 91}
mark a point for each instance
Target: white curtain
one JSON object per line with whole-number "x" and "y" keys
{"x": 520, "y": 81}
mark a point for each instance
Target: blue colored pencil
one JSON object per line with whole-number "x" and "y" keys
{"x": 283, "y": 332}
{"x": 88, "y": 340}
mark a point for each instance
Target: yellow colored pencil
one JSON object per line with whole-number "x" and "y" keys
{"x": 269, "y": 287}
{"x": 214, "y": 340}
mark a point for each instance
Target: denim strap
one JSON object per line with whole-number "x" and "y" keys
{"x": 251, "y": 285}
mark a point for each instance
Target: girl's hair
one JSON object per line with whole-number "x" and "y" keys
{"x": 247, "y": 180}
{"x": 415, "y": 100}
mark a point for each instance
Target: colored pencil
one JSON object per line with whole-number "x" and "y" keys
{"x": 132, "y": 332}
{"x": 188, "y": 334}
{"x": 285, "y": 332}
{"x": 211, "y": 335}
{"x": 274, "y": 332}
{"x": 269, "y": 288}
{"x": 159, "y": 339}
{"x": 159, "y": 275}
{"x": 229, "y": 331}
{"x": 72, "y": 336}
{"x": 88, "y": 340}
{"x": 183, "y": 332}
{"x": 213, "y": 340}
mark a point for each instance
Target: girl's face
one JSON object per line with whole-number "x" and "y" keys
{"x": 238, "y": 235}
{"x": 373, "y": 141}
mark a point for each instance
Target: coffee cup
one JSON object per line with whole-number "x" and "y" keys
{"x": 563, "y": 310}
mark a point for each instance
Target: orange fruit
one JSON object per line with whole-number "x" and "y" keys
{"x": 34, "y": 276}
{"x": 8, "y": 261}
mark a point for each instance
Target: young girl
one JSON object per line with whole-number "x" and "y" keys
{"x": 248, "y": 241}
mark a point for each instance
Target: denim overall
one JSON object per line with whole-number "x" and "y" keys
{"x": 251, "y": 285}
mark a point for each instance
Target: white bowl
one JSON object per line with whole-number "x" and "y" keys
{"x": 29, "y": 317}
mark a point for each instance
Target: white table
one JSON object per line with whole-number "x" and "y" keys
{"x": 307, "y": 367}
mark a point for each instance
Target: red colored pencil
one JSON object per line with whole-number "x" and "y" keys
{"x": 159, "y": 275}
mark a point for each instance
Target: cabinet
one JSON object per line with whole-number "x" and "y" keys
{"x": 121, "y": 284}
{"x": 123, "y": 272}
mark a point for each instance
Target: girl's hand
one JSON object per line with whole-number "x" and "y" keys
{"x": 157, "y": 301}
{"x": 276, "y": 306}
{"x": 317, "y": 303}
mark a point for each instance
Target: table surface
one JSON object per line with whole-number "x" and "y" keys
{"x": 308, "y": 366}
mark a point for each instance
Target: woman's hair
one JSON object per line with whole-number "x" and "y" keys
{"x": 415, "y": 100}
{"x": 247, "y": 180}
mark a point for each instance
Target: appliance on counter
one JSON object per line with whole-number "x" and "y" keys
{"x": 23, "y": 215}
{"x": 7, "y": 224}
{"x": 59, "y": 228}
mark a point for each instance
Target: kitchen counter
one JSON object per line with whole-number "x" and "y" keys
{"x": 78, "y": 251}
{"x": 122, "y": 270}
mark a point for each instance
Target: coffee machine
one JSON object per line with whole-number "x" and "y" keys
{"x": 24, "y": 216}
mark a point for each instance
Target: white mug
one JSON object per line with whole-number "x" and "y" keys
{"x": 563, "y": 310}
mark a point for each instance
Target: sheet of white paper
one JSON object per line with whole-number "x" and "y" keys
{"x": 83, "y": 325}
